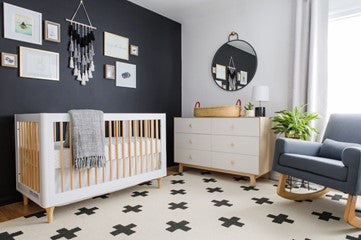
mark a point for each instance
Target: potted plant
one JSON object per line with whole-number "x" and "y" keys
{"x": 249, "y": 110}
{"x": 295, "y": 124}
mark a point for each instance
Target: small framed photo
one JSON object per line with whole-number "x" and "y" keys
{"x": 116, "y": 46}
{"x": 134, "y": 50}
{"x": 9, "y": 60}
{"x": 220, "y": 72}
{"x": 109, "y": 71}
{"x": 52, "y": 31}
{"x": 243, "y": 78}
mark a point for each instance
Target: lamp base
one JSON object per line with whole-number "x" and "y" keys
{"x": 260, "y": 111}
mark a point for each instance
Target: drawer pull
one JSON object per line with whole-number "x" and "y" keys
{"x": 232, "y": 162}
{"x": 232, "y": 144}
{"x": 190, "y": 141}
{"x": 190, "y": 125}
{"x": 232, "y": 127}
{"x": 190, "y": 157}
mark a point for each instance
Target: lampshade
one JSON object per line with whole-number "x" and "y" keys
{"x": 260, "y": 94}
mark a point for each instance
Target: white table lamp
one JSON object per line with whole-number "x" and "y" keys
{"x": 260, "y": 94}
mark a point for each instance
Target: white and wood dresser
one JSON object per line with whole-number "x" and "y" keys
{"x": 241, "y": 146}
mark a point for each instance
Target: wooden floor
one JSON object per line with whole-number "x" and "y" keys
{"x": 16, "y": 210}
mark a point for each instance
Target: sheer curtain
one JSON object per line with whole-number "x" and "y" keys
{"x": 310, "y": 62}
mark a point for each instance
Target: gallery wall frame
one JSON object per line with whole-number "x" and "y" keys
{"x": 52, "y": 31}
{"x": 116, "y": 46}
{"x": 9, "y": 60}
{"x": 126, "y": 75}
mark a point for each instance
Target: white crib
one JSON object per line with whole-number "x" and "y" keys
{"x": 135, "y": 152}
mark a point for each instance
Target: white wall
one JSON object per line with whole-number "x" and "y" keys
{"x": 266, "y": 24}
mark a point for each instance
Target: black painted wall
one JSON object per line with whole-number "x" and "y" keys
{"x": 158, "y": 73}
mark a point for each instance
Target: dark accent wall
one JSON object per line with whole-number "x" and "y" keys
{"x": 158, "y": 73}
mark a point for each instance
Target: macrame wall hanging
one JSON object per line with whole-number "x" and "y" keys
{"x": 81, "y": 47}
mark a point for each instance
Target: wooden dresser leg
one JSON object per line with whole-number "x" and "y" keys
{"x": 159, "y": 182}
{"x": 50, "y": 213}
{"x": 180, "y": 168}
{"x": 25, "y": 200}
{"x": 252, "y": 180}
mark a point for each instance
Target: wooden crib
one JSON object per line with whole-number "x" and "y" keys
{"x": 135, "y": 153}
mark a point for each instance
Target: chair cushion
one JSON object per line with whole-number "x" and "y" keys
{"x": 321, "y": 166}
{"x": 333, "y": 149}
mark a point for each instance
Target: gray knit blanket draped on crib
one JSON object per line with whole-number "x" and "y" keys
{"x": 88, "y": 140}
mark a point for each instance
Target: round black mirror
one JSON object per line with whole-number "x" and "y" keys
{"x": 234, "y": 64}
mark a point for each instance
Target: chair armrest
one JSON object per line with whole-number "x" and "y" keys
{"x": 286, "y": 145}
{"x": 351, "y": 158}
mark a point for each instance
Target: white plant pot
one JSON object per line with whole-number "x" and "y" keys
{"x": 250, "y": 113}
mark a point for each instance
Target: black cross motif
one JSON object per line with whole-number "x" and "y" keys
{"x": 8, "y": 236}
{"x": 178, "y": 174}
{"x": 136, "y": 194}
{"x": 205, "y": 172}
{"x": 227, "y": 222}
{"x": 249, "y": 188}
{"x": 105, "y": 196}
{"x": 181, "y": 205}
{"x": 307, "y": 200}
{"x": 207, "y": 180}
{"x": 177, "y": 182}
{"x": 149, "y": 183}
{"x": 222, "y": 203}
{"x": 87, "y": 211}
{"x": 262, "y": 200}
{"x": 325, "y": 216}
{"x": 135, "y": 209}
{"x": 65, "y": 233}
{"x": 358, "y": 211}
{"x": 237, "y": 179}
{"x": 212, "y": 190}
{"x": 127, "y": 230}
{"x": 180, "y": 225}
{"x": 37, "y": 215}
{"x": 281, "y": 218}
{"x": 175, "y": 192}
{"x": 336, "y": 197}
{"x": 347, "y": 237}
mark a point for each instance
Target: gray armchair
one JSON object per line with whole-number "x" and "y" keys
{"x": 335, "y": 163}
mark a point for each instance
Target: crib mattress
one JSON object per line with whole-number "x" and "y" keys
{"x": 148, "y": 144}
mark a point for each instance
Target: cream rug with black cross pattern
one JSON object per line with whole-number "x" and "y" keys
{"x": 193, "y": 205}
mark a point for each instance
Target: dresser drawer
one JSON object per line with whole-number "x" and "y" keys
{"x": 195, "y": 157}
{"x": 193, "y": 141}
{"x": 236, "y": 126}
{"x": 236, "y": 144}
{"x": 235, "y": 162}
{"x": 192, "y": 125}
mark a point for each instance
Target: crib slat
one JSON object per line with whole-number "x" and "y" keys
{"x": 54, "y": 131}
{"x": 28, "y": 154}
{"x": 123, "y": 147}
{"x": 146, "y": 122}
{"x": 110, "y": 150}
{"x": 71, "y": 157}
{"x": 156, "y": 144}
{"x": 104, "y": 166}
{"x": 135, "y": 132}
{"x": 25, "y": 153}
{"x": 116, "y": 129}
{"x": 61, "y": 157}
{"x": 37, "y": 157}
{"x": 32, "y": 149}
{"x": 151, "y": 144}
{"x": 141, "y": 146}
{"x": 130, "y": 147}
{"x": 30, "y": 169}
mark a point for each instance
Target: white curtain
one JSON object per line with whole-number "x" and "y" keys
{"x": 310, "y": 62}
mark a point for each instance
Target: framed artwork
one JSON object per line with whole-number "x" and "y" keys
{"x": 126, "y": 75}
{"x": 9, "y": 60}
{"x": 52, "y": 31}
{"x": 244, "y": 78}
{"x": 220, "y": 72}
{"x": 38, "y": 64}
{"x": 109, "y": 71}
{"x": 22, "y": 24}
{"x": 134, "y": 50}
{"x": 116, "y": 46}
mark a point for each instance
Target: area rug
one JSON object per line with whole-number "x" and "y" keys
{"x": 193, "y": 205}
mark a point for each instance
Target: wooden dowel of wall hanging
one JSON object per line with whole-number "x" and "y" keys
{"x": 156, "y": 144}
{"x": 123, "y": 147}
{"x": 135, "y": 132}
{"x": 116, "y": 129}
{"x": 71, "y": 156}
{"x": 141, "y": 146}
{"x": 151, "y": 144}
{"x": 110, "y": 150}
{"x": 130, "y": 147}
{"x": 61, "y": 156}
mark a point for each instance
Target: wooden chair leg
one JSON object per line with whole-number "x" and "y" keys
{"x": 252, "y": 180}
{"x": 180, "y": 168}
{"x": 159, "y": 182}
{"x": 25, "y": 200}
{"x": 350, "y": 215}
{"x": 50, "y": 214}
{"x": 281, "y": 191}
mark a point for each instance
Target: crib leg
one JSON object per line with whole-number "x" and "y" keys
{"x": 159, "y": 182}
{"x": 25, "y": 200}
{"x": 50, "y": 213}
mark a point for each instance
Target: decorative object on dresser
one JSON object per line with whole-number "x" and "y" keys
{"x": 81, "y": 47}
{"x": 126, "y": 75}
{"x": 116, "y": 46}
{"x": 234, "y": 64}
{"x": 38, "y": 64}
{"x": 218, "y": 111}
{"x": 52, "y": 31}
{"x": 9, "y": 60}
{"x": 260, "y": 94}
{"x": 22, "y": 24}
{"x": 109, "y": 71}
{"x": 241, "y": 146}
{"x": 249, "y": 110}
{"x": 134, "y": 50}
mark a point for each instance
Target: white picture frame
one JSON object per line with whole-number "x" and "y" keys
{"x": 116, "y": 46}
{"x": 134, "y": 50}
{"x": 38, "y": 64}
{"x": 244, "y": 78}
{"x": 52, "y": 31}
{"x": 220, "y": 72}
{"x": 109, "y": 71}
{"x": 9, "y": 60}
{"x": 126, "y": 75}
{"x": 22, "y": 24}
